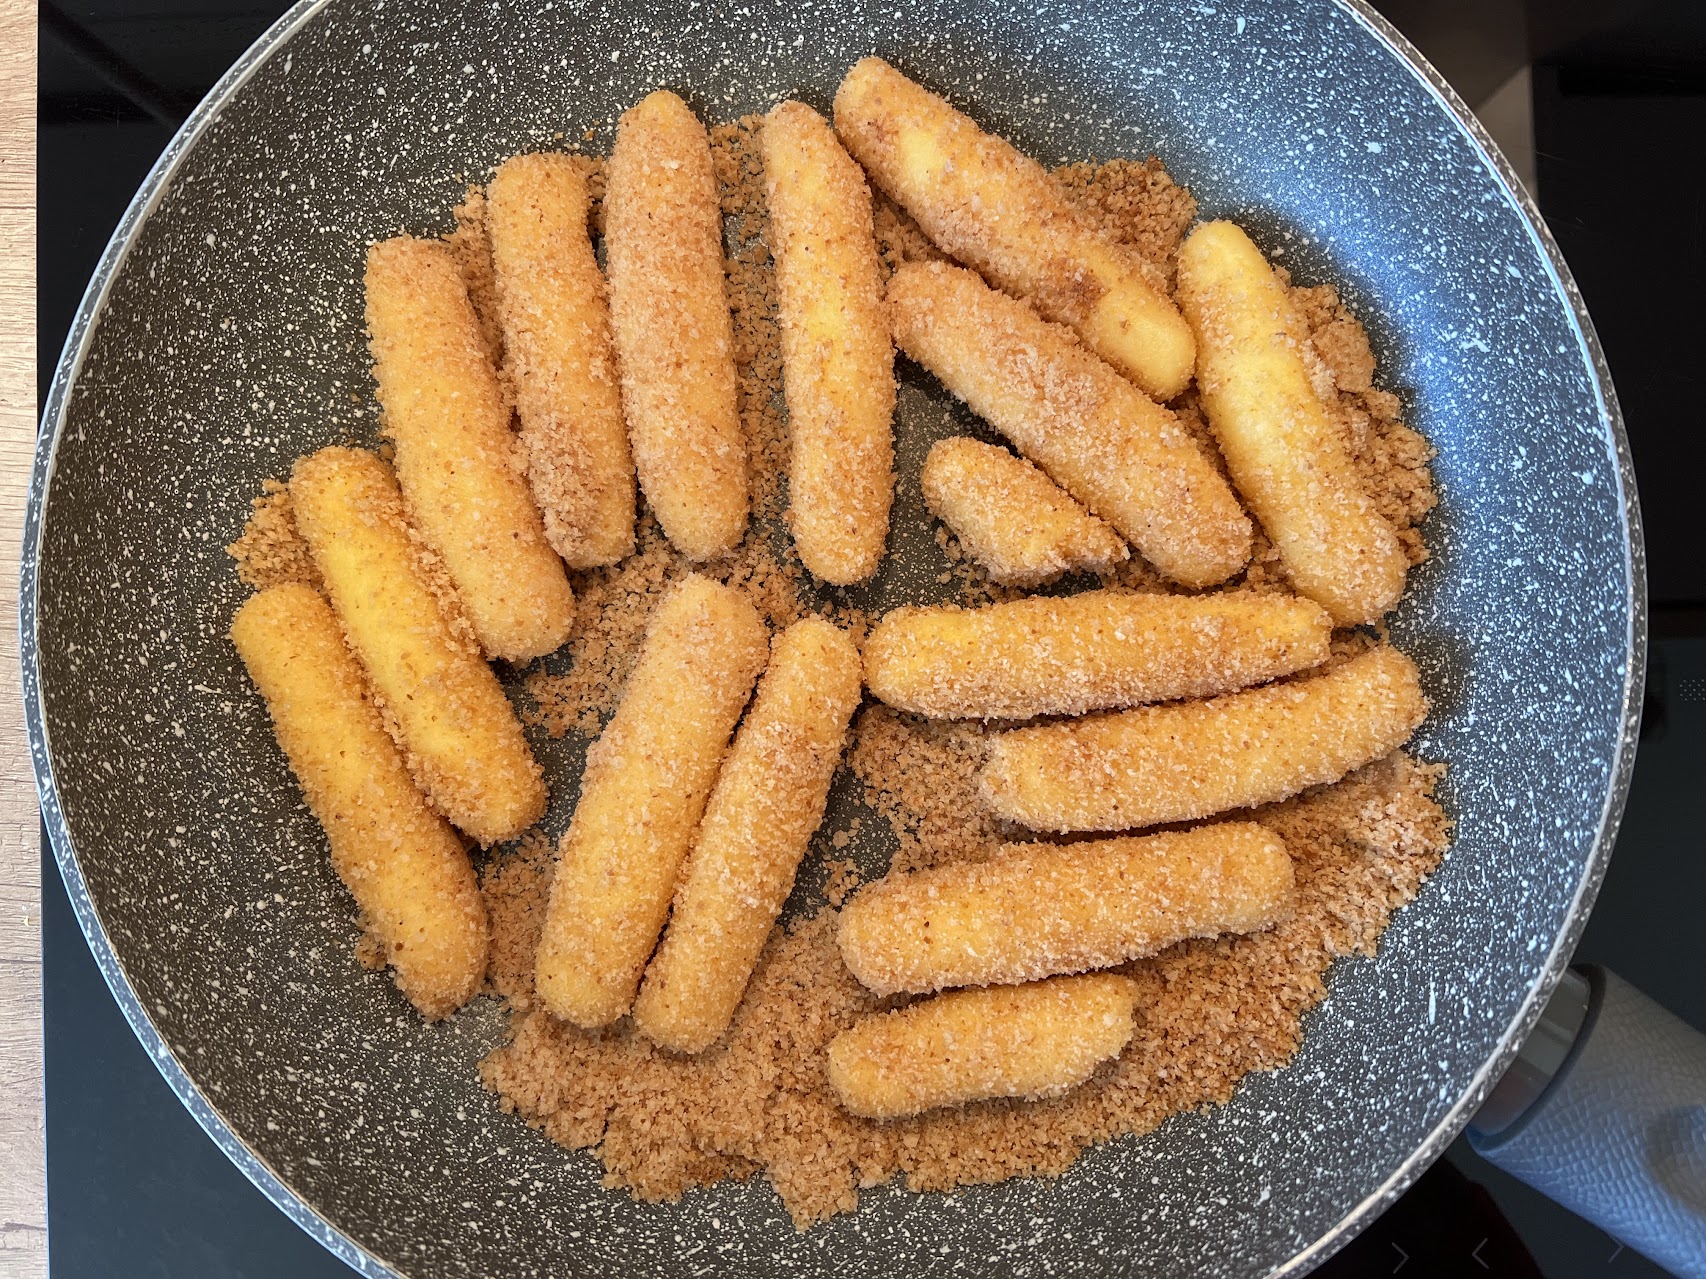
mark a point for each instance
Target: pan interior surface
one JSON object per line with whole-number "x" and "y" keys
{"x": 229, "y": 340}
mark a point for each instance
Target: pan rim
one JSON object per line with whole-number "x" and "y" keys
{"x": 247, "y": 1160}
{"x": 366, "y": 1262}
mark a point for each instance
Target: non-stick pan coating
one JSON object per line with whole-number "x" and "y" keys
{"x": 222, "y": 337}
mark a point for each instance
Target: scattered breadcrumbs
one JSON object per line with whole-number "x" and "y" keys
{"x": 758, "y": 1101}
{"x": 270, "y": 552}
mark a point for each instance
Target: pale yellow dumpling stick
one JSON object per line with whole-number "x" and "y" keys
{"x": 1284, "y": 449}
{"x": 644, "y": 790}
{"x": 1094, "y": 651}
{"x": 457, "y": 730}
{"x": 1034, "y": 910}
{"x": 669, "y": 314}
{"x": 405, "y": 867}
{"x": 996, "y": 209}
{"x": 1011, "y": 518}
{"x": 1162, "y": 764}
{"x": 1126, "y": 458}
{"x": 972, "y": 1045}
{"x": 456, "y": 457}
{"x": 768, "y": 800}
{"x": 559, "y": 360}
{"x": 837, "y": 361}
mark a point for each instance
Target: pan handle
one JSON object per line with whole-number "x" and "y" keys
{"x": 1604, "y": 1112}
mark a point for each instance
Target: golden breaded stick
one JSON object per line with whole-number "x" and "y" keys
{"x": 456, "y": 456}
{"x": 663, "y": 236}
{"x": 1087, "y": 652}
{"x": 642, "y": 795}
{"x": 768, "y": 800}
{"x": 1283, "y": 448}
{"x": 404, "y": 866}
{"x": 1125, "y": 457}
{"x": 1007, "y": 1041}
{"x": 462, "y": 740}
{"x": 559, "y": 360}
{"x": 837, "y": 361}
{"x": 1177, "y": 763}
{"x": 996, "y": 209}
{"x": 1011, "y": 518}
{"x": 1034, "y": 910}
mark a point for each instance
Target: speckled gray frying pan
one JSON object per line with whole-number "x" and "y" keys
{"x": 221, "y": 337}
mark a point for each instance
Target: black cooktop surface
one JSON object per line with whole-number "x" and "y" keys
{"x": 1619, "y": 109}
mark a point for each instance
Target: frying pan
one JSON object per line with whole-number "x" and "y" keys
{"x": 221, "y": 336}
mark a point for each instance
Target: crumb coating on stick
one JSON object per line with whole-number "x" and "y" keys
{"x": 1176, "y": 763}
{"x": 1011, "y": 518}
{"x": 444, "y": 706}
{"x": 767, "y": 803}
{"x": 1094, "y": 651}
{"x": 559, "y": 360}
{"x": 405, "y": 867}
{"x": 997, "y": 210}
{"x": 669, "y": 314}
{"x": 1034, "y": 910}
{"x": 837, "y": 360}
{"x": 644, "y": 790}
{"x": 1285, "y": 451}
{"x": 456, "y": 457}
{"x": 1031, "y": 1041}
{"x": 1126, "y": 458}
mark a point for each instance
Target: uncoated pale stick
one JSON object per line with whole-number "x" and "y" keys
{"x": 1126, "y": 458}
{"x": 663, "y": 236}
{"x": 768, "y": 800}
{"x": 405, "y": 867}
{"x": 559, "y": 360}
{"x": 1087, "y": 652}
{"x": 837, "y": 360}
{"x": 1038, "y": 909}
{"x": 460, "y": 736}
{"x": 642, "y": 795}
{"x": 997, "y": 210}
{"x": 1011, "y": 518}
{"x": 1177, "y": 763}
{"x": 1007, "y": 1041}
{"x": 1284, "y": 450}
{"x": 455, "y": 454}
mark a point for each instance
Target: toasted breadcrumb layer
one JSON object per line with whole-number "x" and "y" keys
{"x": 1209, "y": 1012}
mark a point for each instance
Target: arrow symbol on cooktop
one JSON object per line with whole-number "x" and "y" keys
{"x": 1477, "y": 1255}
{"x": 1614, "y": 1255}
{"x": 1402, "y": 1258}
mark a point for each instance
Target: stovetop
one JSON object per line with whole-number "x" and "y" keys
{"x": 1618, "y": 95}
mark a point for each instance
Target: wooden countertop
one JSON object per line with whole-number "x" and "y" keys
{"x": 23, "y": 1184}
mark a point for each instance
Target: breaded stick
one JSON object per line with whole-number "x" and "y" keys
{"x": 1126, "y": 458}
{"x": 1094, "y": 651}
{"x": 1039, "y": 909}
{"x": 457, "y": 730}
{"x": 1177, "y": 763}
{"x": 837, "y": 361}
{"x": 642, "y": 795}
{"x": 456, "y": 457}
{"x": 663, "y": 236}
{"x": 559, "y": 360}
{"x": 1011, "y": 518}
{"x": 1008, "y": 1041}
{"x": 405, "y": 867}
{"x": 768, "y": 800}
{"x": 996, "y": 209}
{"x": 1283, "y": 448}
